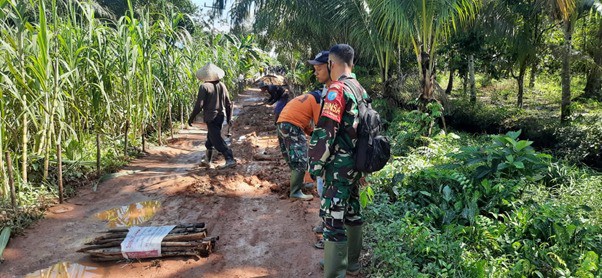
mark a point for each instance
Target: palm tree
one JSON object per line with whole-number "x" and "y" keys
{"x": 423, "y": 24}
{"x": 303, "y": 28}
{"x": 518, "y": 29}
{"x": 593, "y": 86}
{"x": 568, "y": 11}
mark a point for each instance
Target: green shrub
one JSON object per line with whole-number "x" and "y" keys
{"x": 579, "y": 142}
{"x": 582, "y": 142}
{"x": 479, "y": 212}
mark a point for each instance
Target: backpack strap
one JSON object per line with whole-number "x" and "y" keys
{"x": 357, "y": 91}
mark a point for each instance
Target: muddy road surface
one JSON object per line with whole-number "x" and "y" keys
{"x": 262, "y": 233}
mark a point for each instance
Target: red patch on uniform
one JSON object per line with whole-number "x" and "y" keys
{"x": 334, "y": 103}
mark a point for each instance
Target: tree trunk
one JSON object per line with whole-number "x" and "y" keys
{"x": 450, "y": 82}
{"x": 533, "y": 73}
{"x": 473, "y": 90}
{"x": 428, "y": 78}
{"x": 593, "y": 87}
{"x": 521, "y": 84}
{"x": 565, "y": 106}
{"x": 464, "y": 83}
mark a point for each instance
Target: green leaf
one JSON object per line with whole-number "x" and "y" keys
{"x": 366, "y": 196}
{"x": 426, "y": 193}
{"x": 4, "y": 236}
{"x": 458, "y": 205}
{"x": 481, "y": 172}
{"x": 516, "y": 245}
{"x": 519, "y": 165}
{"x": 522, "y": 144}
{"x": 453, "y": 135}
{"x": 502, "y": 166}
{"x": 514, "y": 134}
{"x": 447, "y": 193}
{"x": 363, "y": 199}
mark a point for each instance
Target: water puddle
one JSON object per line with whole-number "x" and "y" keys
{"x": 130, "y": 215}
{"x": 67, "y": 270}
{"x": 254, "y": 99}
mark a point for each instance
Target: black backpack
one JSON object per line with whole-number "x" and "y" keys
{"x": 372, "y": 150}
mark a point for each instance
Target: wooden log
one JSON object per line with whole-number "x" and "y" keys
{"x": 122, "y": 235}
{"x": 116, "y": 251}
{"x": 163, "y": 244}
{"x": 175, "y": 237}
{"x": 197, "y": 225}
{"x": 166, "y": 254}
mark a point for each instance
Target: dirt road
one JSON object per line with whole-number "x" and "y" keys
{"x": 262, "y": 233}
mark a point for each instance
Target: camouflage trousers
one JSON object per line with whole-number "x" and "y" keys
{"x": 340, "y": 202}
{"x": 293, "y": 145}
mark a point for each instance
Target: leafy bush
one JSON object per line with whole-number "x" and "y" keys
{"x": 578, "y": 142}
{"x": 505, "y": 157}
{"x": 496, "y": 209}
{"x": 582, "y": 142}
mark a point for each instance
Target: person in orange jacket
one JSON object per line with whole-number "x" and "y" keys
{"x": 295, "y": 122}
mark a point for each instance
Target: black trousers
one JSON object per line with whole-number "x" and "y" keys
{"x": 214, "y": 137}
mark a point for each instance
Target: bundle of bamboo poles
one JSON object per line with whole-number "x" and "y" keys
{"x": 183, "y": 240}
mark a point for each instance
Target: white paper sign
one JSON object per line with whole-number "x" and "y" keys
{"x": 144, "y": 242}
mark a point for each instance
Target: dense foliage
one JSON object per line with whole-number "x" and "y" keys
{"x": 95, "y": 86}
{"x": 455, "y": 205}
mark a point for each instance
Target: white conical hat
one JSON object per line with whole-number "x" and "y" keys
{"x": 210, "y": 72}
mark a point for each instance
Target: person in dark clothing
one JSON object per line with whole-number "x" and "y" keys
{"x": 213, "y": 99}
{"x": 278, "y": 95}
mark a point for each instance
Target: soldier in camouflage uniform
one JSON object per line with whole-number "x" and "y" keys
{"x": 320, "y": 64}
{"x": 331, "y": 154}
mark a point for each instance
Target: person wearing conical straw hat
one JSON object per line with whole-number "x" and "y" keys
{"x": 214, "y": 100}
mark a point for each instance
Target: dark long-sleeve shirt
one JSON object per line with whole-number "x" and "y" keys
{"x": 276, "y": 93}
{"x": 213, "y": 99}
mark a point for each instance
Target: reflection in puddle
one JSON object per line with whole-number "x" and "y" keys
{"x": 130, "y": 215}
{"x": 66, "y": 269}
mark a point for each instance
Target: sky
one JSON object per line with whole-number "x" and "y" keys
{"x": 203, "y": 3}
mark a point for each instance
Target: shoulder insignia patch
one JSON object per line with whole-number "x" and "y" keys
{"x": 334, "y": 105}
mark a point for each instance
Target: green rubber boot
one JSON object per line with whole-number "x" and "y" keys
{"x": 335, "y": 259}
{"x": 354, "y": 248}
{"x": 296, "y": 184}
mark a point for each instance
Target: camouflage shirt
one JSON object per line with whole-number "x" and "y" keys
{"x": 335, "y": 134}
